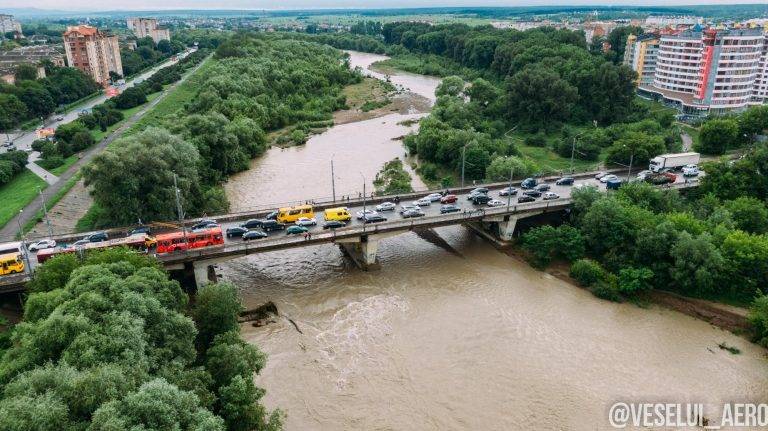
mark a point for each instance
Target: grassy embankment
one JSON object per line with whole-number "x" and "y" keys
{"x": 369, "y": 94}
{"x": 16, "y": 194}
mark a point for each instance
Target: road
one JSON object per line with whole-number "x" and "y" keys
{"x": 9, "y": 231}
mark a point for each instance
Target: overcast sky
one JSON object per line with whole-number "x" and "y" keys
{"x": 316, "y": 4}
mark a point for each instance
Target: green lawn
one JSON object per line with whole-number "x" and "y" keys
{"x": 69, "y": 161}
{"x": 551, "y": 162}
{"x": 15, "y": 195}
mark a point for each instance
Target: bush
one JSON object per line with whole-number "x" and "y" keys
{"x": 51, "y": 162}
{"x": 536, "y": 140}
{"x": 632, "y": 281}
{"x": 587, "y": 272}
{"x": 758, "y": 318}
{"x": 606, "y": 290}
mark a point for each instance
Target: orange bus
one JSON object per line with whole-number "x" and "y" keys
{"x": 175, "y": 241}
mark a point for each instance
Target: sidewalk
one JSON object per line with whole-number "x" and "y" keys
{"x": 40, "y": 172}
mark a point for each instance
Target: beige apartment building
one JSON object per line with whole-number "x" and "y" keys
{"x": 92, "y": 51}
{"x": 148, "y": 27}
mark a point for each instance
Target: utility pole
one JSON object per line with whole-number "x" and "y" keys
{"x": 573, "y": 151}
{"x": 45, "y": 212}
{"x": 509, "y": 191}
{"x": 180, "y": 211}
{"x": 364, "y": 214}
{"x": 24, "y": 254}
{"x": 631, "y": 159}
{"x": 463, "y": 161}
{"x": 333, "y": 182}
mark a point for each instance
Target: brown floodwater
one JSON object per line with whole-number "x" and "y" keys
{"x": 450, "y": 334}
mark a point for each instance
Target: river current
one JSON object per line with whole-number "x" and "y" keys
{"x": 451, "y": 334}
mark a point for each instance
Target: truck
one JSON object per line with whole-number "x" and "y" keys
{"x": 673, "y": 161}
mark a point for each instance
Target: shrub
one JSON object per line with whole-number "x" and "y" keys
{"x": 632, "y": 281}
{"x": 536, "y": 140}
{"x": 587, "y": 272}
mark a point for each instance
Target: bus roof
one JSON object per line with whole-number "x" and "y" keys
{"x": 180, "y": 234}
{"x": 9, "y": 256}
{"x": 10, "y": 247}
{"x": 297, "y": 207}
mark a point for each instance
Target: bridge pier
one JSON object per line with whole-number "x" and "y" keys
{"x": 204, "y": 273}
{"x": 363, "y": 250}
{"x": 499, "y": 229}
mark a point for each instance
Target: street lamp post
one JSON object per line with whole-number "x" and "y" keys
{"x": 509, "y": 190}
{"x": 464, "y": 160}
{"x": 364, "y": 214}
{"x": 45, "y": 212}
{"x": 333, "y": 182}
{"x": 631, "y": 159}
{"x": 24, "y": 254}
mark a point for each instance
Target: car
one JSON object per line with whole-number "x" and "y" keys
{"x": 205, "y": 227}
{"x": 565, "y": 181}
{"x": 423, "y": 202}
{"x": 255, "y": 234}
{"x": 528, "y": 183}
{"x": 495, "y": 203}
{"x": 600, "y": 175}
{"x": 361, "y": 214}
{"x": 613, "y": 184}
{"x": 374, "y": 218}
{"x": 253, "y": 223}
{"x": 406, "y": 207}
{"x": 543, "y": 187}
{"x": 448, "y": 199}
{"x": 294, "y": 230}
{"x": 333, "y": 224}
{"x": 413, "y": 213}
{"x": 548, "y": 196}
{"x": 508, "y": 191}
{"x": 386, "y": 206}
{"x": 59, "y": 118}
{"x": 81, "y": 243}
{"x": 270, "y": 225}
{"x": 609, "y": 177}
{"x": 97, "y": 237}
{"x": 480, "y": 199}
{"x": 306, "y": 221}
{"x": 450, "y": 208}
{"x": 236, "y": 231}
{"x": 483, "y": 190}
{"x": 140, "y": 230}
{"x": 434, "y": 197}
{"x": 272, "y": 215}
{"x": 690, "y": 170}
{"x": 525, "y": 198}
{"x": 642, "y": 174}
{"x": 532, "y": 193}
{"x": 42, "y": 244}
{"x": 205, "y": 224}
{"x": 8, "y": 144}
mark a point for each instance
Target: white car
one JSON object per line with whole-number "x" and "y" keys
{"x": 495, "y": 203}
{"x": 42, "y": 244}
{"x": 548, "y": 196}
{"x": 434, "y": 197}
{"x": 609, "y": 177}
{"x": 600, "y": 175}
{"x": 306, "y": 221}
{"x": 423, "y": 202}
{"x": 360, "y": 214}
{"x": 642, "y": 174}
{"x": 507, "y": 191}
{"x": 386, "y": 206}
{"x": 690, "y": 170}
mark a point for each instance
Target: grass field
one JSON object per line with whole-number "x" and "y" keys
{"x": 551, "y": 162}
{"x": 18, "y": 193}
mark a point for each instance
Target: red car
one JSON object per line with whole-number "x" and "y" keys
{"x": 448, "y": 199}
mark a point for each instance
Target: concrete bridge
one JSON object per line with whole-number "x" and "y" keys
{"x": 359, "y": 241}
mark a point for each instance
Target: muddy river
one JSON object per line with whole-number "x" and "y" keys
{"x": 450, "y": 334}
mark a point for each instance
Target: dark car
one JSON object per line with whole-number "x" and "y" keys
{"x": 270, "y": 225}
{"x": 480, "y": 199}
{"x": 97, "y": 237}
{"x": 543, "y": 187}
{"x": 204, "y": 224}
{"x": 374, "y": 218}
{"x": 532, "y": 193}
{"x": 483, "y": 190}
{"x": 271, "y": 216}
{"x": 445, "y": 209}
{"x": 565, "y": 181}
{"x": 333, "y": 224}
{"x": 528, "y": 183}
{"x": 254, "y": 234}
{"x": 236, "y": 231}
{"x": 139, "y": 230}
{"x": 525, "y": 198}
{"x": 253, "y": 223}
{"x": 413, "y": 213}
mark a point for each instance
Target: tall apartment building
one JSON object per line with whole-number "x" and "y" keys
{"x": 143, "y": 27}
{"x": 8, "y": 24}
{"x": 712, "y": 70}
{"x": 92, "y": 51}
{"x": 640, "y": 54}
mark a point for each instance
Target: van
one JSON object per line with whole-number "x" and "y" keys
{"x": 291, "y": 214}
{"x": 11, "y": 263}
{"x": 338, "y": 214}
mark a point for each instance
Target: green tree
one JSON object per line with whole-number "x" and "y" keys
{"x": 632, "y": 281}
{"x": 758, "y": 318}
{"x": 698, "y": 265}
{"x": 450, "y": 86}
{"x": 750, "y": 214}
{"x": 587, "y": 272}
{"x": 753, "y": 121}
{"x": 538, "y": 98}
{"x": 216, "y": 310}
{"x": 392, "y": 179}
{"x": 13, "y": 112}
{"x": 502, "y": 166}
{"x": 718, "y": 135}
{"x": 546, "y": 243}
{"x": 26, "y": 71}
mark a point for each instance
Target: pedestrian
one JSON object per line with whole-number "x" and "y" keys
{"x": 305, "y": 235}
{"x": 309, "y": 235}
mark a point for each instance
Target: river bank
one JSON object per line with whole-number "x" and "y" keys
{"x": 450, "y": 332}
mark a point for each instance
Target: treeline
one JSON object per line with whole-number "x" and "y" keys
{"x": 710, "y": 243}
{"x": 32, "y": 98}
{"x": 147, "y": 53}
{"x": 77, "y": 135}
{"x": 257, "y": 83}
{"x": 109, "y": 342}
{"x": 720, "y": 134}
{"x": 12, "y": 163}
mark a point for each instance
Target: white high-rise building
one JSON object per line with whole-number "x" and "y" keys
{"x": 148, "y": 27}
{"x": 8, "y": 24}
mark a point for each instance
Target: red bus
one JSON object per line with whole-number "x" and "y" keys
{"x": 175, "y": 241}
{"x": 140, "y": 241}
